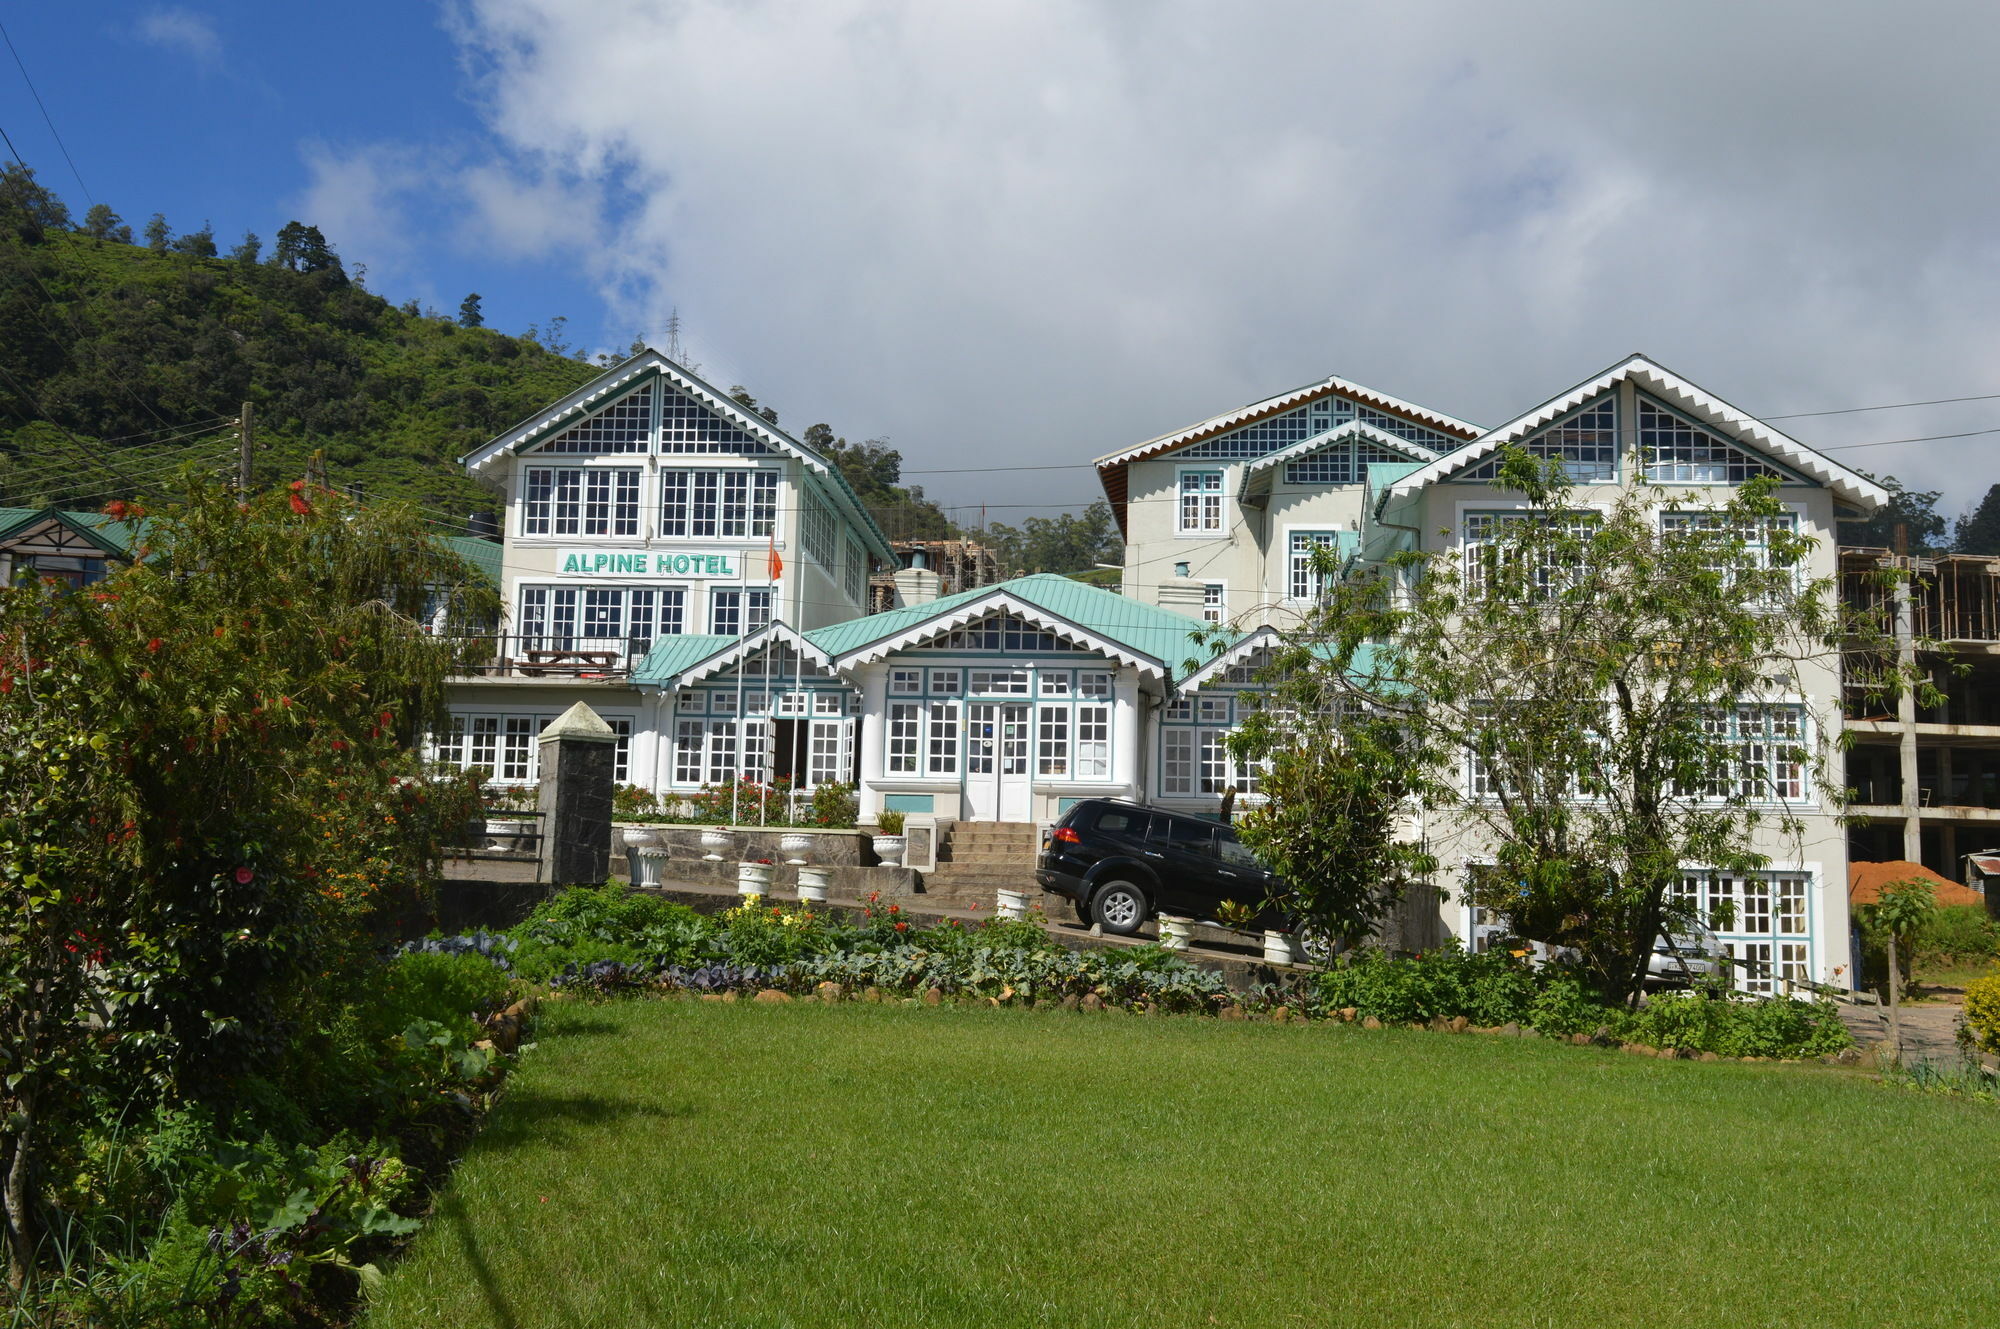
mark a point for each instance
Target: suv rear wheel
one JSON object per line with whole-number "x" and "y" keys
{"x": 1119, "y": 907}
{"x": 1313, "y": 943}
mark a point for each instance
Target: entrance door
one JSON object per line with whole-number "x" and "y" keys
{"x": 997, "y": 739}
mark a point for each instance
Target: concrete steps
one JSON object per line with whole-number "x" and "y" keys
{"x": 978, "y": 858}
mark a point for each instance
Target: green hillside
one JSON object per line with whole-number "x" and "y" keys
{"x": 123, "y": 347}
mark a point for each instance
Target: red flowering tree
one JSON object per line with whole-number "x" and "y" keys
{"x": 208, "y": 790}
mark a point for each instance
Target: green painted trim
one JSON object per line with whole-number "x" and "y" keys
{"x": 923, "y": 803}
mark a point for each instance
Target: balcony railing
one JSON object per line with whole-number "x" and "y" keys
{"x": 513, "y": 655}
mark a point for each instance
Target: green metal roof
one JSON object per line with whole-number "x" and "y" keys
{"x": 115, "y": 536}
{"x": 481, "y": 553}
{"x": 1145, "y": 629}
{"x": 671, "y": 657}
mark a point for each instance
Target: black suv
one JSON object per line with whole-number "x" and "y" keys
{"x": 1119, "y": 864}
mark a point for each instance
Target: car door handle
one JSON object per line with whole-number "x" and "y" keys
{"x": 1153, "y": 853}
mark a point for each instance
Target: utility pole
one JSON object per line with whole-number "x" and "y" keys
{"x": 246, "y": 432}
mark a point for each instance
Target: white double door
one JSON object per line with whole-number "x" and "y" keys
{"x": 998, "y": 738}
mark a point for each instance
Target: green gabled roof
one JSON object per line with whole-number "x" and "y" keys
{"x": 1172, "y": 639}
{"x": 483, "y": 554}
{"x": 113, "y": 535}
{"x": 671, "y": 657}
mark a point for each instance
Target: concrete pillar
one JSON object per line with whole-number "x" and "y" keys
{"x": 578, "y": 752}
{"x": 1125, "y": 732}
{"x": 1906, "y": 726}
{"x": 874, "y": 683}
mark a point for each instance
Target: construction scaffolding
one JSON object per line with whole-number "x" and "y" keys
{"x": 1954, "y": 598}
{"x": 961, "y": 565}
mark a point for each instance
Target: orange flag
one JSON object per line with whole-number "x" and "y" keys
{"x": 777, "y": 564}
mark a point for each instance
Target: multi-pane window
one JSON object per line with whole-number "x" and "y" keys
{"x": 1000, "y": 682}
{"x": 621, "y": 753}
{"x": 1000, "y": 632}
{"x": 572, "y": 500}
{"x": 737, "y": 612}
{"x": 1585, "y": 442}
{"x": 560, "y": 617}
{"x": 906, "y": 682}
{"x": 1211, "y": 602}
{"x": 945, "y": 682}
{"x": 1760, "y": 917}
{"x": 621, "y": 427}
{"x": 1195, "y": 756}
{"x": 1495, "y": 541}
{"x": 1095, "y": 683}
{"x": 905, "y": 733}
{"x": 688, "y": 426}
{"x": 943, "y": 730}
{"x": 816, "y": 531}
{"x": 1734, "y": 548}
{"x": 689, "y": 738}
{"x": 1280, "y": 431}
{"x": 855, "y": 571}
{"x": 1052, "y": 741}
{"x": 1677, "y": 451}
{"x": 1093, "y": 742}
{"x": 508, "y": 746}
{"x": 1339, "y": 464}
{"x": 1307, "y": 582}
{"x": 1403, "y": 429}
{"x": 1766, "y": 761}
{"x": 723, "y": 753}
{"x": 1201, "y": 502}
{"x": 718, "y": 505}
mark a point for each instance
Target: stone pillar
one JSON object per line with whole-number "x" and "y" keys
{"x": 577, "y": 754}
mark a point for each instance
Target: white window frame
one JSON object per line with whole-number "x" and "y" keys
{"x": 1200, "y": 491}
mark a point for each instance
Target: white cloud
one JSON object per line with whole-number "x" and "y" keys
{"x": 192, "y": 34}
{"x": 1044, "y": 230}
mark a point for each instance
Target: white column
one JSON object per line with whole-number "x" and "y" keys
{"x": 874, "y": 683}
{"x": 1125, "y": 721}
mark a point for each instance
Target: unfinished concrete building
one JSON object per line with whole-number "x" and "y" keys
{"x": 1926, "y": 778}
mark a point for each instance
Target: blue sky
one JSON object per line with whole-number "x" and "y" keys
{"x": 217, "y": 112}
{"x": 1041, "y": 230}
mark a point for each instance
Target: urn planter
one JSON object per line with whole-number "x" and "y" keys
{"x": 1175, "y": 933}
{"x": 1013, "y": 904}
{"x": 795, "y": 848}
{"x": 889, "y": 848}
{"x": 652, "y": 865}
{"x": 812, "y": 885}
{"x": 753, "y": 878}
{"x": 716, "y": 843}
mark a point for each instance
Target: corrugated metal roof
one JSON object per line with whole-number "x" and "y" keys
{"x": 483, "y": 554}
{"x": 673, "y": 656}
{"x": 1160, "y": 634}
{"x": 117, "y": 536}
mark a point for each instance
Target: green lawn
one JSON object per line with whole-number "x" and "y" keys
{"x": 689, "y": 1164}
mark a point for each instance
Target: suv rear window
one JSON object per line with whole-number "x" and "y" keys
{"x": 1123, "y": 821}
{"x": 1186, "y": 833}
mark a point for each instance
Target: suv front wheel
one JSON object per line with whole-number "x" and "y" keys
{"x": 1119, "y": 907}
{"x": 1314, "y": 943}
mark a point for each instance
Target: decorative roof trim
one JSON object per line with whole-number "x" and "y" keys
{"x": 1001, "y": 601}
{"x": 21, "y": 531}
{"x": 1674, "y": 391}
{"x": 1285, "y": 401}
{"x": 1234, "y": 655}
{"x": 1340, "y": 433}
{"x": 742, "y": 648}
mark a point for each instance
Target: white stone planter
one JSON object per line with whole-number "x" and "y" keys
{"x": 637, "y": 837}
{"x": 889, "y": 848}
{"x": 652, "y": 865}
{"x": 812, "y": 885}
{"x": 1277, "y": 948}
{"x": 1175, "y": 933}
{"x": 716, "y": 843}
{"x": 1013, "y": 904}
{"x": 753, "y": 878}
{"x": 795, "y": 848}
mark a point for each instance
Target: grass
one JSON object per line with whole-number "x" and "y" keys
{"x": 1953, "y": 973}
{"x": 692, "y": 1164}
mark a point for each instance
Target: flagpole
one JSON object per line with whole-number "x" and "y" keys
{"x": 742, "y": 618}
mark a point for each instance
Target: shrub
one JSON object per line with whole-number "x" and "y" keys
{"x": 1982, "y": 1013}
{"x": 1487, "y": 989}
{"x": 1958, "y": 932}
{"x": 1769, "y": 1027}
{"x": 611, "y": 914}
{"x": 450, "y": 990}
{"x": 768, "y": 936}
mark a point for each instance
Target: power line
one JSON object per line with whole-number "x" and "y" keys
{"x": 1888, "y": 406}
{"x": 63, "y": 147}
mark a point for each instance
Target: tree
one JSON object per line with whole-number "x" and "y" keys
{"x": 247, "y": 249}
{"x": 303, "y": 249}
{"x": 197, "y": 244}
{"x": 741, "y": 396}
{"x": 469, "y": 313}
{"x": 1912, "y": 510}
{"x": 1064, "y": 543}
{"x": 208, "y": 796}
{"x": 158, "y": 233}
{"x": 874, "y": 470}
{"x": 1899, "y": 911}
{"x": 1978, "y": 531}
{"x": 1571, "y": 698}
{"x": 30, "y": 208}
{"x": 101, "y": 223}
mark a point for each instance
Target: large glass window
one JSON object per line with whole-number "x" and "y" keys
{"x": 1761, "y": 918}
{"x": 562, "y": 617}
{"x": 688, "y": 426}
{"x": 1339, "y": 464}
{"x": 1767, "y": 761}
{"x": 736, "y": 612}
{"x": 816, "y": 531}
{"x": 623, "y": 426}
{"x": 574, "y": 500}
{"x": 718, "y": 505}
{"x": 905, "y": 733}
{"x": 1306, "y": 581}
{"x": 1486, "y": 548}
{"x": 1585, "y": 442}
{"x": 1679, "y": 452}
{"x": 1201, "y": 502}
